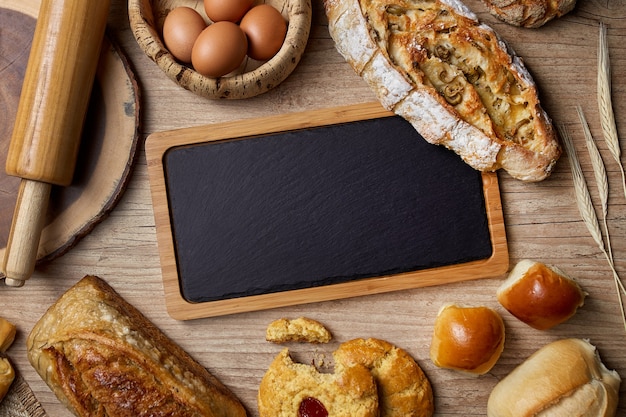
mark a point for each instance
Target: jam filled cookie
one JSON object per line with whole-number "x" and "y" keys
{"x": 290, "y": 389}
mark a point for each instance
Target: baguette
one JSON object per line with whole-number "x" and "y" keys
{"x": 102, "y": 357}
{"x": 451, "y": 77}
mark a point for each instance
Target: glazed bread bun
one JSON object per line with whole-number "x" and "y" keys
{"x": 564, "y": 378}
{"x": 467, "y": 339}
{"x": 539, "y": 295}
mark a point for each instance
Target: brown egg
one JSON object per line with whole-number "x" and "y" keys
{"x": 229, "y": 10}
{"x": 181, "y": 28}
{"x": 266, "y": 29}
{"x": 219, "y": 50}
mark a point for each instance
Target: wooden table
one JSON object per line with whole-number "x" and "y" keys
{"x": 542, "y": 222}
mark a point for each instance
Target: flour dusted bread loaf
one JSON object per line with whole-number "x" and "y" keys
{"x": 102, "y": 357}
{"x": 563, "y": 378}
{"x": 529, "y": 13}
{"x": 451, "y": 77}
{"x": 291, "y": 389}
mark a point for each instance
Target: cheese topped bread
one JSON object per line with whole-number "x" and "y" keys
{"x": 433, "y": 63}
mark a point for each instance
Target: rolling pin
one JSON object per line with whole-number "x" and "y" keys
{"x": 53, "y": 104}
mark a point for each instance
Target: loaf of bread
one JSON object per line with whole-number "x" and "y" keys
{"x": 467, "y": 339}
{"x": 529, "y": 13}
{"x": 102, "y": 357}
{"x": 454, "y": 79}
{"x": 539, "y": 295}
{"x": 563, "y": 378}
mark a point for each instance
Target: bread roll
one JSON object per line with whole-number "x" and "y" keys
{"x": 564, "y": 378}
{"x": 7, "y": 334}
{"x": 454, "y": 79}
{"x": 7, "y": 376}
{"x": 539, "y": 295}
{"x": 529, "y": 13}
{"x": 102, "y": 357}
{"x": 467, "y": 339}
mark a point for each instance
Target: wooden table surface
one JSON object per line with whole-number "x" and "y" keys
{"x": 542, "y": 222}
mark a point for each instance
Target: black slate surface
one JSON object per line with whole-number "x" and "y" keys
{"x": 319, "y": 206}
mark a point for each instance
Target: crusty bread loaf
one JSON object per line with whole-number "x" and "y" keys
{"x": 563, "y": 378}
{"x": 102, "y": 357}
{"x": 467, "y": 339}
{"x": 529, "y": 13}
{"x": 403, "y": 388}
{"x": 451, "y": 77}
{"x": 539, "y": 295}
{"x": 288, "y": 387}
{"x": 301, "y": 329}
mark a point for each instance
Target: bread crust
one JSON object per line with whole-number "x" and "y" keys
{"x": 403, "y": 388}
{"x": 102, "y": 357}
{"x": 454, "y": 79}
{"x": 529, "y": 13}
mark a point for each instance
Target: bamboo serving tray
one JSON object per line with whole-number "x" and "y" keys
{"x": 182, "y": 303}
{"x": 108, "y": 145}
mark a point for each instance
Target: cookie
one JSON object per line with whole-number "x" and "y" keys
{"x": 403, "y": 388}
{"x": 291, "y": 389}
{"x": 301, "y": 329}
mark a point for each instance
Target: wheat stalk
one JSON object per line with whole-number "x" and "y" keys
{"x": 605, "y": 105}
{"x": 599, "y": 172}
{"x": 588, "y": 213}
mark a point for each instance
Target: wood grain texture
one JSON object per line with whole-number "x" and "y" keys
{"x": 109, "y": 138}
{"x": 541, "y": 220}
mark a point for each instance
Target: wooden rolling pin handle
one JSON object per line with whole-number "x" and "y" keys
{"x": 28, "y": 222}
{"x": 46, "y": 136}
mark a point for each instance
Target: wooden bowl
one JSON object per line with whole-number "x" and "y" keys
{"x": 253, "y": 77}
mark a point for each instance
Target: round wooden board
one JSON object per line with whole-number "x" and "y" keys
{"x": 108, "y": 143}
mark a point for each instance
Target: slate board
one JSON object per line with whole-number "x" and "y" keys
{"x": 290, "y": 209}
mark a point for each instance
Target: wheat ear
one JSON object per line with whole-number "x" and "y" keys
{"x": 588, "y": 213}
{"x": 605, "y": 104}
{"x": 599, "y": 172}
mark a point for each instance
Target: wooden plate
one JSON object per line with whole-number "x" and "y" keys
{"x": 108, "y": 145}
{"x": 231, "y": 243}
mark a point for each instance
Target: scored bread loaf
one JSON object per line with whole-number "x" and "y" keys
{"x": 454, "y": 79}
{"x": 102, "y": 357}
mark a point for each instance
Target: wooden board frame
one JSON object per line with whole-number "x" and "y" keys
{"x": 179, "y": 308}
